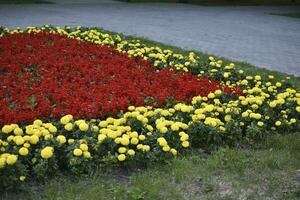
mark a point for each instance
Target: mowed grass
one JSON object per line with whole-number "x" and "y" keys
{"x": 291, "y": 14}
{"x": 269, "y": 169}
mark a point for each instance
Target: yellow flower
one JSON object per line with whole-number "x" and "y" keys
{"x": 103, "y": 124}
{"x": 47, "y": 152}
{"x": 19, "y": 140}
{"x": 22, "y": 178}
{"x": 18, "y": 131}
{"x": 77, "y": 152}
{"x": 166, "y": 148}
{"x": 64, "y": 120}
{"x": 272, "y": 104}
{"x": 298, "y": 108}
{"x": 142, "y": 137}
{"x": 227, "y": 118}
{"x": 277, "y": 123}
{"x": 68, "y": 126}
{"x": 184, "y": 137}
{"x": 185, "y": 144}
{"x": 101, "y": 137}
{"x": 71, "y": 141}
{"x": 95, "y": 128}
{"x": 86, "y": 154}
{"x": 61, "y": 139}
{"x": 11, "y": 159}
{"x": 211, "y": 95}
{"x": 131, "y": 152}
{"x": 23, "y": 151}
{"x": 2, "y": 162}
{"x": 134, "y": 141}
{"x": 6, "y": 129}
{"x": 260, "y": 123}
{"x": 173, "y": 151}
{"x": 122, "y": 150}
{"x": 84, "y": 147}
{"x": 34, "y": 139}
{"x": 124, "y": 141}
{"x": 162, "y": 141}
{"x": 52, "y": 129}
{"x": 121, "y": 157}
{"x": 83, "y": 126}
{"x": 38, "y": 122}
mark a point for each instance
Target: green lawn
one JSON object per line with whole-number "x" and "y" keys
{"x": 22, "y": 1}
{"x": 224, "y": 2}
{"x": 268, "y": 170}
{"x": 291, "y": 14}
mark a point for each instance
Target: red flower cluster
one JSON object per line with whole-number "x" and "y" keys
{"x": 48, "y": 75}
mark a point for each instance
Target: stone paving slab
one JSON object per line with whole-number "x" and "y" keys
{"x": 241, "y": 33}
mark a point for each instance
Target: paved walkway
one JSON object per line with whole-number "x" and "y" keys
{"x": 242, "y": 33}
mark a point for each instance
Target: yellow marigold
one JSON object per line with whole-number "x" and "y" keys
{"x": 47, "y": 152}
{"x": 173, "y": 151}
{"x": 64, "y": 120}
{"x": 83, "y": 126}
{"x": 77, "y": 152}
{"x": 38, "y": 122}
{"x": 22, "y": 178}
{"x": 6, "y": 129}
{"x": 11, "y": 159}
{"x": 121, "y": 157}
{"x": 87, "y": 154}
{"x": 124, "y": 141}
{"x": 52, "y": 129}
{"x": 71, "y": 141}
{"x": 23, "y": 151}
{"x": 2, "y": 162}
{"x": 277, "y": 123}
{"x": 84, "y": 147}
{"x": 122, "y": 150}
{"x": 34, "y": 139}
{"x": 18, "y": 131}
{"x": 185, "y": 144}
{"x": 134, "y": 141}
{"x": 260, "y": 123}
{"x": 19, "y": 140}
{"x": 131, "y": 152}
{"x": 61, "y": 139}
{"x": 142, "y": 137}
{"x": 166, "y": 148}
{"x": 162, "y": 141}
{"x": 69, "y": 126}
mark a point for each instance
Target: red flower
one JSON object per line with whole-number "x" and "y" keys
{"x": 48, "y": 75}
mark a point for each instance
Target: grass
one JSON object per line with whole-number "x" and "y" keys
{"x": 291, "y": 14}
{"x": 268, "y": 170}
{"x": 22, "y": 1}
{"x": 224, "y": 2}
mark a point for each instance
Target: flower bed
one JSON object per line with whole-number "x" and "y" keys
{"x": 104, "y": 100}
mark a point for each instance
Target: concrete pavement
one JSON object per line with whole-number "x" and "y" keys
{"x": 241, "y": 33}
